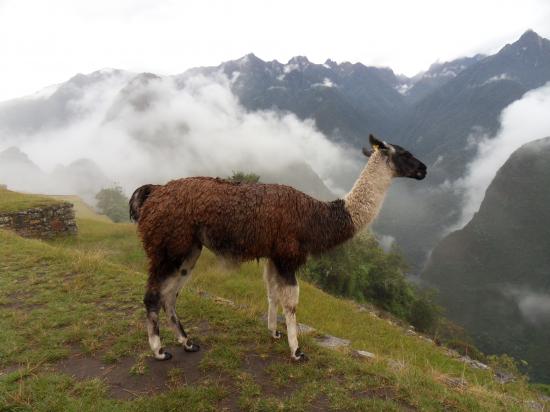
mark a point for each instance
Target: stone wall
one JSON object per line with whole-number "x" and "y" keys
{"x": 43, "y": 222}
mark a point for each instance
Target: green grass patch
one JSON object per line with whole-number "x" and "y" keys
{"x": 14, "y": 201}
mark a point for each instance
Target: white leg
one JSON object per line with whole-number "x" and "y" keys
{"x": 287, "y": 293}
{"x": 288, "y": 296}
{"x": 270, "y": 278}
{"x": 169, "y": 294}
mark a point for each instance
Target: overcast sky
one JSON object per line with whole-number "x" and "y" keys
{"x": 46, "y": 42}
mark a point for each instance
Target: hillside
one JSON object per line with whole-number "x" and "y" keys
{"x": 494, "y": 275}
{"x": 13, "y": 201}
{"x": 72, "y": 338}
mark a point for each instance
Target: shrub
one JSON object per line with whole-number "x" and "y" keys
{"x": 244, "y": 177}
{"x": 113, "y": 203}
{"x": 361, "y": 270}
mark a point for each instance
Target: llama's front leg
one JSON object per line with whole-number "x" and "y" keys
{"x": 288, "y": 295}
{"x": 270, "y": 278}
{"x": 152, "y": 306}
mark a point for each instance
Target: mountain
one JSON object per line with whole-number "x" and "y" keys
{"x": 347, "y": 101}
{"x": 469, "y": 104}
{"x": 18, "y": 170}
{"x": 58, "y": 105}
{"x": 82, "y": 177}
{"x": 443, "y": 130}
{"x": 493, "y": 276}
{"x": 421, "y": 85}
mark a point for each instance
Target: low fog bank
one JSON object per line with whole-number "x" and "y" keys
{"x": 523, "y": 121}
{"x": 534, "y": 306}
{"x": 152, "y": 129}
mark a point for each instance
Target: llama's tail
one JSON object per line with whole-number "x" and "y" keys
{"x": 138, "y": 198}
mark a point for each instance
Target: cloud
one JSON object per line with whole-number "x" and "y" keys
{"x": 386, "y": 242}
{"x": 154, "y": 129}
{"x": 523, "y": 121}
{"x": 534, "y": 306}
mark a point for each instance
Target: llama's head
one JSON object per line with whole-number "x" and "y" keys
{"x": 401, "y": 161}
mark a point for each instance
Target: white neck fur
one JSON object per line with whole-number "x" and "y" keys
{"x": 364, "y": 200}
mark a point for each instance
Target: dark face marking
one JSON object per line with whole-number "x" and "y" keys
{"x": 405, "y": 164}
{"x": 184, "y": 272}
{"x": 402, "y": 161}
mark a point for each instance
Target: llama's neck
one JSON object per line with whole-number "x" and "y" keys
{"x": 365, "y": 198}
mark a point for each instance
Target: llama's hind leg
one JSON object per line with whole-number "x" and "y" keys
{"x": 270, "y": 278}
{"x": 170, "y": 294}
{"x": 288, "y": 294}
{"x": 152, "y": 305}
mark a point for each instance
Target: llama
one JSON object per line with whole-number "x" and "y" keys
{"x": 246, "y": 221}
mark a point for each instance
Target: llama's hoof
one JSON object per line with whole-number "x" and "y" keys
{"x": 163, "y": 355}
{"x": 299, "y": 356}
{"x": 191, "y": 347}
{"x": 276, "y": 335}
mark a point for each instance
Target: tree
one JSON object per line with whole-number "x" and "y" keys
{"x": 239, "y": 176}
{"x": 113, "y": 203}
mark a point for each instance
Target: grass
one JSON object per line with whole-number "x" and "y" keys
{"x": 82, "y": 297}
{"x": 82, "y": 209}
{"x": 14, "y": 201}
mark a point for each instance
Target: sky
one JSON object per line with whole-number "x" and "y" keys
{"x": 47, "y": 42}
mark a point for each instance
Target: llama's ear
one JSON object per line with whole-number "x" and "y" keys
{"x": 367, "y": 152}
{"x": 375, "y": 143}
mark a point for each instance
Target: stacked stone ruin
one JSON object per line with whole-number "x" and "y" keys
{"x": 41, "y": 222}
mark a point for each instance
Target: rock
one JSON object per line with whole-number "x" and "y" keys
{"x": 534, "y": 405}
{"x": 473, "y": 363}
{"x": 411, "y": 332}
{"x": 304, "y": 329}
{"x": 504, "y": 377}
{"x": 451, "y": 353}
{"x": 365, "y": 354}
{"x": 332, "y": 342}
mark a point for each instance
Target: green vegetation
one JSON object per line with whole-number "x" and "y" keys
{"x": 113, "y": 203}
{"x": 361, "y": 270}
{"x": 244, "y": 177}
{"x": 67, "y": 302}
{"x": 14, "y": 201}
{"x": 82, "y": 209}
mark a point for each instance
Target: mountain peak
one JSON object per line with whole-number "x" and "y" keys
{"x": 299, "y": 60}
{"x": 530, "y": 39}
{"x": 529, "y": 35}
{"x": 249, "y": 58}
{"x": 331, "y": 63}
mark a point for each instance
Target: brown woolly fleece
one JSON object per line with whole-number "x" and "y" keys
{"x": 243, "y": 221}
